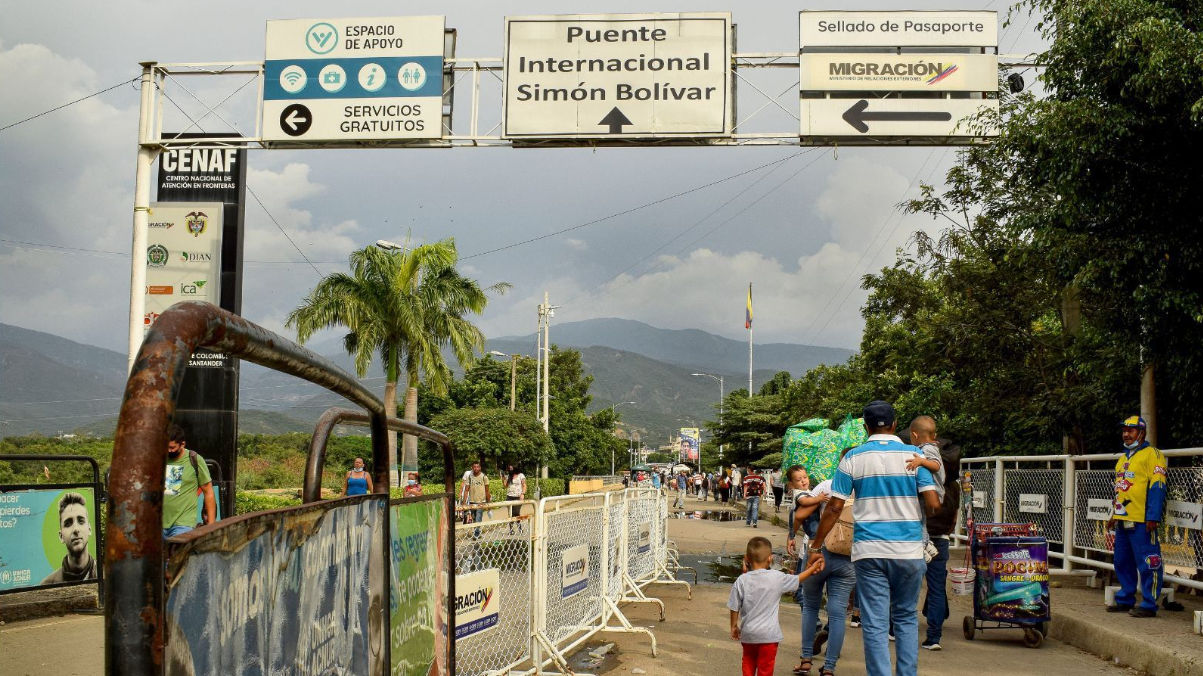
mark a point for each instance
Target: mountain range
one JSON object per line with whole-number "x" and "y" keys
{"x": 51, "y": 385}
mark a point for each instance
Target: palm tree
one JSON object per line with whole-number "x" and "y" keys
{"x": 406, "y": 306}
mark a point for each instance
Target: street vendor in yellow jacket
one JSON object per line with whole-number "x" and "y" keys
{"x": 1140, "y": 497}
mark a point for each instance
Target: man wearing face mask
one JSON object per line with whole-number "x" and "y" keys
{"x": 186, "y": 476}
{"x": 1140, "y": 496}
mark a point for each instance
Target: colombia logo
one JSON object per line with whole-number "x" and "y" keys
{"x": 942, "y": 74}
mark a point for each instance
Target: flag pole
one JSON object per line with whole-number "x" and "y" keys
{"x": 749, "y": 340}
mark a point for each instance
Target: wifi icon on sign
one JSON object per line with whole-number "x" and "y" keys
{"x": 293, "y": 79}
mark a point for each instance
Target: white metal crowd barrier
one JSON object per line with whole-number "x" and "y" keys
{"x": 556, "y": 572}
{"x": 1069, "y": 498}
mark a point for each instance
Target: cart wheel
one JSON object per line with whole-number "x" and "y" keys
{"x": 968, "y": 628}
{"x": 1033, "y": 638}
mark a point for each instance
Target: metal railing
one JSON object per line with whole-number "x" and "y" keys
{"x": 335, "y": 549}
{"x": 1069, "y": 499}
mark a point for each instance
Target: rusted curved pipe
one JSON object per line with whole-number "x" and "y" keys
{"x": 134, "y": 534}
{"x": 316, "y": 463}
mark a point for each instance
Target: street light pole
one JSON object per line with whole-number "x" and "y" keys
{"x": 720, "y": 415}
{"x": 513, "y": 375}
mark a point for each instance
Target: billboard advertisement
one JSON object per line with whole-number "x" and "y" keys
{"x": 47, "y": 537}
{"x": 418, "y": 597}
{"x": 691, "y": 443}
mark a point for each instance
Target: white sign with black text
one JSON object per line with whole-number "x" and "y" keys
{"x": 1098, "y": 510}
{"x": 899, "y": 72}
{"x": 899, "y": 117}
{"x": 979, "y": 499}
{"x": 1033, "y": 503}
{"x": 575, "y": 571}
{"x": 617, "y": 76}
{"x": 477, "y": 602}
{"x": 645, "y": 538}
{"x": 183, "y": 255}
{"x": 1184, "y": 514}
{"x": 358, "y": 79}
{"x": 898, "y": 29}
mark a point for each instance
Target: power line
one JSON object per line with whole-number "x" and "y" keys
{"x": 884, "y": 241}
{"x": 627, "y": 211}
{"x": 714, "y": 229}
{"x": 55, "y": 248}
{"x": 248, "y": 187}
{"x": 70, "y": 103}
{"x": 686, "y": 230}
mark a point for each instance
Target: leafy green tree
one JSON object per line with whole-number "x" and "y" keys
{"x": 404, "y": 307}
{"x": 494, "y": 437}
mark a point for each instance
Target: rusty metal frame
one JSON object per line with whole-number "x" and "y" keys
{"x": 316, "y": 462}
{"x": 311, "y": 491}
{"x": 134, "y": 551}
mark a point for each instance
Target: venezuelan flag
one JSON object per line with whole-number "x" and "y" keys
{"x": 748, "y": 315}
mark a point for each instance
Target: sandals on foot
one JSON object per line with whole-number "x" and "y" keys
{"x": 826, "y": 672}
{"x": 800, "y": 671}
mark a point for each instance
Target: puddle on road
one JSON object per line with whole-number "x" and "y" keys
{"x": 708, "y": 515}
{"x": 720, "y": 568}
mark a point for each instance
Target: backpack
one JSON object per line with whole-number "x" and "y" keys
{"x": 196, "y": 470}
{"x": 839, "y": 540}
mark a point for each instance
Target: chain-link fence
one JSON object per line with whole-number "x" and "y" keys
{"x": 572, "y": 533}
{"x": 1036, "y": 496}
{"x": 1094, "y": 493}
{"x": 982, "y": 477}
{"x": 501, "y": 540}
{"x": 642, "y": 532}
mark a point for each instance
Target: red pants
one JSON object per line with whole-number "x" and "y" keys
{"x": 759, "y": 658}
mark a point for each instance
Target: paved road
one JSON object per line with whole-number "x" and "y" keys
{"x": 692, "y": 641}
{"x": 59, "y": 646}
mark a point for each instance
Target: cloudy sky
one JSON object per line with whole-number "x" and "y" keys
{"x": 801, "y": 225}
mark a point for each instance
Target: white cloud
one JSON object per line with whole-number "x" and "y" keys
{"x": 576, "y": 244}
{"x": 814, "y": 299}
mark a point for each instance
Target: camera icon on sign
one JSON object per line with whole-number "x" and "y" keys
{"x": 332, "y": 78}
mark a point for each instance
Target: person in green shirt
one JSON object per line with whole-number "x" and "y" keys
{"x": 186, "y": 475}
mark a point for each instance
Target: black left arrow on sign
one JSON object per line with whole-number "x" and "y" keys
{"x": 616, "y": 120}
{"x": 858, "y": 115}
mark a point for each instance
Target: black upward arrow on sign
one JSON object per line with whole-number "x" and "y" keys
{"x": 616, "y": 120}
{"x": 857, "y": 115}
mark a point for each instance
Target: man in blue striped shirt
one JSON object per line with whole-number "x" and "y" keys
{"x": 887, "y": 541}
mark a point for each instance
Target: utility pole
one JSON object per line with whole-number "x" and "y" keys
{"x": 546, "y": 312}
{"x": 513, "y": 375}
{"x": 142, "y": 180}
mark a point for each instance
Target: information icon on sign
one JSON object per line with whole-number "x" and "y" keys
{"x": 372, "y": 77}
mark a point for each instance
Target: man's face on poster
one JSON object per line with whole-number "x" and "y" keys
{"x": 74, "y": 529}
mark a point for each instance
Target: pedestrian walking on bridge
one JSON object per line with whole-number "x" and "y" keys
{"x": 887, "y": 542}
{"x": 1136, "y": 514}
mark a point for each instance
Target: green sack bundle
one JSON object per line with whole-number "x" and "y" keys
{"x": 811, "y": 444}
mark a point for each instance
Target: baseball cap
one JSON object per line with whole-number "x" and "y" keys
{"x": 878, "y": 414}
{"x": 1134, "y": 421}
